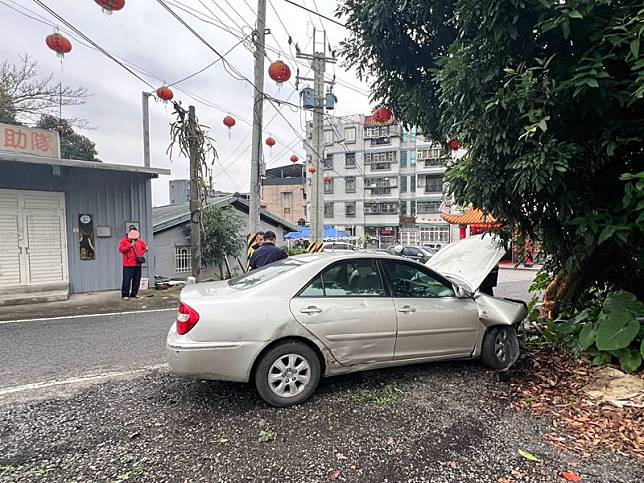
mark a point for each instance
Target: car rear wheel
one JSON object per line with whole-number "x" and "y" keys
{"x": 287, "y": 374}
{"x": 500, "y": 347}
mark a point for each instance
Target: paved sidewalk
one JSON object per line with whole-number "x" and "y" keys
{"x": 508, "y": 265}
{"x": 93, "y": 303}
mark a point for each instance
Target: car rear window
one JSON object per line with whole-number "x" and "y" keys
{"x": 257, "y": 277}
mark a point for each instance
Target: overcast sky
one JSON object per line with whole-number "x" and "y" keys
{"x": 145, "y": 34}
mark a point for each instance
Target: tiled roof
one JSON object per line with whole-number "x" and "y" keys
{"x": 470, "y": 217}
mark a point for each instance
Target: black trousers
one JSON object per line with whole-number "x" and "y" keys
{"x": 131, "y": 281}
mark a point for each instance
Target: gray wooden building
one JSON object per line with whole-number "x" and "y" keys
{"x": 61, "y": 221}
{"x": 172, "y": 248}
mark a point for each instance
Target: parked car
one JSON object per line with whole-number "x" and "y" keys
{"x": 286, "y": 325}
{"x": 433, "y": 246}
{"x": 420, "y": 254}
{"x": 338, "y": 246}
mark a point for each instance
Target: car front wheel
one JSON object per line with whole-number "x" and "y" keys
{"x": 500, "y": 347}
{"x": 287, "y": 374}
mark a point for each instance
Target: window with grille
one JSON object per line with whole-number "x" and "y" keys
{"x": 328, "y": 137}
{"x": 428, "y": 207}
{"x": 287, "y": 196}
{"x": 384, "y": 157}
{"x": 380, "y": 166}
{"x": 350, "y": 160}
{"x": 377, "y": 132}
{"x": 350, "y": 209}
{"x": 350, "y": 134}
{"x": 350, "y": 184}
{"x": 403, "y": 184}
{"x": 328, "y": 186}
{"x": 434, "y": 184}
{"x": 381, "y": 208}
{"x": 182, "y": 259}
{"x": 328, "y": 161}
{"x": 328, "y": 210}
{"x": 435, "y": 233}
{"x": 403, "y": 159}
{"x": 287, "y": 213}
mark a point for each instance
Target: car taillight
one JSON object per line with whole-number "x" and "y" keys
{"x": 187, "y": 318}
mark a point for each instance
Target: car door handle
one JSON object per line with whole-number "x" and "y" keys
{"x": 406, "y": 309}
{"x": 311, "y": 310}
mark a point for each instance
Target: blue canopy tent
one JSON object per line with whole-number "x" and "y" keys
{"x": 305, "y": 233}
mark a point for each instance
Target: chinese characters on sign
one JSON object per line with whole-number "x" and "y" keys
{"x": 25, "y": 140}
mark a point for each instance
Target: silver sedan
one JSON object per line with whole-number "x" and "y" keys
{"x": 286, "y": 325}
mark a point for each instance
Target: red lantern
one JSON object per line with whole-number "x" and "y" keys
{"x": 311, "y": 170}
{"x": 294, "y": 158}
{"x": 165, "y": 93}
{"x": 59, "y": 44}
{"x": 109, "y": 6}
{"x": 382, "y": 115}
{"x": 454, "y": 144}
{"x": 229, "y": 121}
{"x": 279, "y": 72}
{"x": 328, "y": 179}
{"x": 270, "y": 142}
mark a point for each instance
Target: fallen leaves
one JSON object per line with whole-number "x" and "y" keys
{"x": 527, "y": 455}
{"x": 335, "y": 474}
{"x": 570, "y": 476}
{"x": 549, "y": 383}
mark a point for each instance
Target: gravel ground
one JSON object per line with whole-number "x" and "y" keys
{"x": 436, "y": 422}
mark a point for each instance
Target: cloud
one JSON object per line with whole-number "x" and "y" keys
{"x": 146, "y": 35}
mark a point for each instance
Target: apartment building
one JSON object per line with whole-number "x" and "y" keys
{"x": 283, "y": 193}
{"x": 386, "y": 182}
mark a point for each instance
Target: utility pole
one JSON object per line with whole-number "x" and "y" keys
{"x": 318, "y": 62}
{"x": 195, "y": 198}
{"x": 258, "y": 114}
{"x": 146, "y": 128}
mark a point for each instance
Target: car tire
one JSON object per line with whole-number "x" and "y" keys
{"x": 275, "y": 380}
{"x": 500, "y": 347}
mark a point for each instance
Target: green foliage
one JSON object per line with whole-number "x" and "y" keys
{"x": 548, "y": 99}
{"x": 609, "y": 329}
{"x": 266, "y": 435}
{"x": 221, "y": 234}
{"x": 296, "y": 251}
{"x": 384, "y": 395}
{"x": 72, "y": 144}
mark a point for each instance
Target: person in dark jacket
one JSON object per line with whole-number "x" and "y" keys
{"x": 267, "y": 253}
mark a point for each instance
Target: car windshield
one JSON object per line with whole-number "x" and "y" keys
{"x": 261, "y": 275}
{"x": 426, "y": 252}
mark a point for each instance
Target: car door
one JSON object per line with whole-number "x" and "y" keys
{"x": 346, "y": 307}
{"x": 432, "y": 321}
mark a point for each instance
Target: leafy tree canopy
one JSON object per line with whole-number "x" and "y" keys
{"x": 547, "y": 98}
{"x": 72, "y": 144}
{"x": 221, "y": 234}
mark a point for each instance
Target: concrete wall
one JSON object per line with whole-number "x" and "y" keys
{"x": 113, "y": 198}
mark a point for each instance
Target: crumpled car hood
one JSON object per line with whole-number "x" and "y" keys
{"x": 469, "y": 260}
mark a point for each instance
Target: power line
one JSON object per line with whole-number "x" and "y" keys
{"x": 316, "y": 13}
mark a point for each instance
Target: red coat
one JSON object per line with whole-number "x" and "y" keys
{"x": 130, "y": 253}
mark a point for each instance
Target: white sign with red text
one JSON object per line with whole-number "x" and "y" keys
{"x": 27, "y": 140}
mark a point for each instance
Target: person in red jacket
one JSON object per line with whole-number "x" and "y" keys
{"x": 133, "y": 250}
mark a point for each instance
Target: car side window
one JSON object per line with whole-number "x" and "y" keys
{"x": 408, "y": 281}
{"x": 350, "y": 278}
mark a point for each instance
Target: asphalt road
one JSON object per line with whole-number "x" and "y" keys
{"x": 39, "y": 351}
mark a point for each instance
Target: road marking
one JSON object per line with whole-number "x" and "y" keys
{"x": 77, "y": 380}
{"x": 108, "y": 314}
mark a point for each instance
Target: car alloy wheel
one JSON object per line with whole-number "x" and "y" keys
{"x": 500, "y": 348}
{"x": 289, "y": 375}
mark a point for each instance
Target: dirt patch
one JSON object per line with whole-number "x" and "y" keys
{"x": 550, "y": 383}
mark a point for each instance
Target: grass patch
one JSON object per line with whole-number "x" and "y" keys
{"x": 385, "y": 395}
{"x": 134, "y": 472}
{"x": 267, "y": 435}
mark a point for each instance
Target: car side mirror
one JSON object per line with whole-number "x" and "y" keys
{"x": 461, "y": 293}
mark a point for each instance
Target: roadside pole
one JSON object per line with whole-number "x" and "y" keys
{"x": 145, "y": 96}
{"x": 318, "y": 63}
{"x": 258, "y": 113}
{"x": 195, "y": 199}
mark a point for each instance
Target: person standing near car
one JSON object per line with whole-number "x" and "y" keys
{"x": 267, "y": 253}
{"x": 133, "y": 250}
